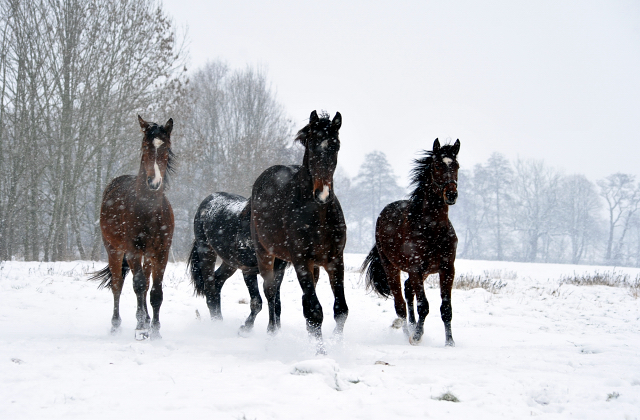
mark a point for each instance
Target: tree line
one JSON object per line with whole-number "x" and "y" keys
{"x": 74, "y": 74}
{"x": 528, "y": 211}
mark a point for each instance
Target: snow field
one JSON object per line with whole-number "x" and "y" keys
{"x": 536, "y": 348}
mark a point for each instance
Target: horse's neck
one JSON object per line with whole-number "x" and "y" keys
{"x": 430, "y": 206}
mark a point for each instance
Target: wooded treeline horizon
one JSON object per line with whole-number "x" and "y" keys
{"x": 75, "y": 74}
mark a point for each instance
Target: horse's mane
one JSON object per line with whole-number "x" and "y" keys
{"x": 324, "y": 122}
{"x": 421, "y": 172}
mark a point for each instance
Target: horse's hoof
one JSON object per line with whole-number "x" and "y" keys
{"x": 116, "y": 330}
{"x": 244, "y": 331}
{"x": 142, "y": 334}
{"x": 450, "y": 343}
{"x": 155, "y": 334}
{"x": 415, "y": 339}
{"x": 399, "y": 323}
{"x": 320, "y": 349}
{"x": 272, "y": 331}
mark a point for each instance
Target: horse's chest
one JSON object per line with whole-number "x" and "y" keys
{"x": 427, "y": 249}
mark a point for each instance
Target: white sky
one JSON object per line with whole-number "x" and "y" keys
{"x": 552, "y": 80}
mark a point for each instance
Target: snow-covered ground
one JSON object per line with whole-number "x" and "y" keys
{"x": 536, "y": 348}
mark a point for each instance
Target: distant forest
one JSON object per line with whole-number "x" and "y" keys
{"x": 74, "y": 75}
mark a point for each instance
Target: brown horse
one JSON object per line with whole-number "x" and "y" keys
{"x": 416, "y": 236}
{"x": 296, "y": 217}
{"x": 137, "y": 228}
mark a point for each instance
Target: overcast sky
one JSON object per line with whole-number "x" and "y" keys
{"x": 552, "y": 80}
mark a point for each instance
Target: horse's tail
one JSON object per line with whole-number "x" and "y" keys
{"x": 194, "y": 266}
{"x": 105, "y": 276}
{"x": 375, "y": 276}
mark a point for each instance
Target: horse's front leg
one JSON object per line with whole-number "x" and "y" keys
{"x": 335, "y": 270}
{"x": 311, "y": 307}
{"x": 140, "y": 287}
{"x": 156, "y": 296}
{"x": 446, "y": 284}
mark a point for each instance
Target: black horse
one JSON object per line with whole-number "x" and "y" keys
{"x": 222, "y": 229}
{"x": 296, "y": 217}
{"x": 416, "y": 236}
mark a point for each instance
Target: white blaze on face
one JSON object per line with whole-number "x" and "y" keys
{"x": 157, "y": 177}
{"x": 447, "y": 161}
{"x": 157, "y": 143}
{"x": 324, "y": 144}
{"x": 324, "y": 194}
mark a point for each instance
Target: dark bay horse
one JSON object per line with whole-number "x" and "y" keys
{"x": 416, "y": 236}
{"x": 136, "y": 220}
{"x": 296, "y": 217}
{"x": 222, "y": 229}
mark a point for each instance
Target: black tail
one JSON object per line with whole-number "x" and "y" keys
{"x": 104, "y": 275}
{"x": 194, "y": 266}
{"x": 375, "y": 277}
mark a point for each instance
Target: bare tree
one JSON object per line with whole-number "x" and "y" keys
{"x": 235, "y": 128}
{"x": 75, "y": 74}
{"x": 579, "y": 214}
{"x": 623, "y": 200}
{"x": 535, "y": 213}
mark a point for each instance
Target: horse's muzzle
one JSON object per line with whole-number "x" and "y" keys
{"x": 450, "y": 196}
{"x": 153, "y": 183}
{"x": 322, "y": 196}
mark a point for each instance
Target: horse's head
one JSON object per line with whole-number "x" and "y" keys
{"x": 156, "y": 151}
{"x": 322, "y": 143}
{"x": 444, "y": 172}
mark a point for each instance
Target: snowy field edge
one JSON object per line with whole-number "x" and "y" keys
{"x": 535, "y": 348}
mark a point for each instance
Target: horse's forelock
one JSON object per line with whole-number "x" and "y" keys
{"x": 323, "y": 124}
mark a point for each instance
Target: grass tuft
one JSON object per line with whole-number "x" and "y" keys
{"x": 606, "y": 278}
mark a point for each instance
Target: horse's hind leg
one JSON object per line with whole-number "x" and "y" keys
{"x": 446, "y": 312}
{"x": 423, "y": 307}
{"x": 213, "y": 289}
{"x": 409, "y": 296}
{"x": 335, "y": 270}
{"x": 115, "y": 267}
{"x": 251, "y": 281}
{"x": 393, "y": 276}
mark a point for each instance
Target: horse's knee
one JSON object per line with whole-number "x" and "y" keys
{"x": 256, "y": 304}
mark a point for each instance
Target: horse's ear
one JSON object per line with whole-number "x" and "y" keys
{"x": 314, "y": 117}
{"x": 337, "y": 122}
{"x": 456, "y": 147}
{"x": 169, "y": 126}
{"x": 143, "y": 124}
{"x": 436, "y": 146}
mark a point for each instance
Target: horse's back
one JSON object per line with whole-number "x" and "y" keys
{"x": 223, "y": 222}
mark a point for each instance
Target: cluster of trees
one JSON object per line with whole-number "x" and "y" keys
{"x": 74, "y": 74}
{"x": 528, "y": 211}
